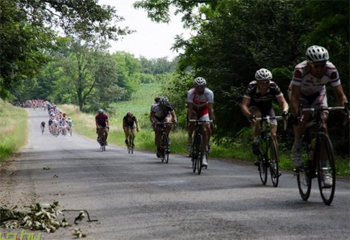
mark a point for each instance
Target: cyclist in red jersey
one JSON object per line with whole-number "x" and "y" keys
{"x": 101, "y": 120}
{"x": 200, "y": 103}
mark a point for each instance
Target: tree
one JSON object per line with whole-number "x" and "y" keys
{"x": 26, "y": 35}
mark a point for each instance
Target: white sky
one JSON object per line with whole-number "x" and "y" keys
{"x": 151, "y": 40}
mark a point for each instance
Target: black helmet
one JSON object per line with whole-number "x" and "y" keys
{"x": 156, "y": 99}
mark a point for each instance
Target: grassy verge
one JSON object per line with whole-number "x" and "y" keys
{"x": 13, "y": 129}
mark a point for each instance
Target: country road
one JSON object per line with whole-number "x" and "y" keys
{"x": 138, "y": 197}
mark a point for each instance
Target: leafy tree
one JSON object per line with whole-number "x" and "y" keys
{"x": 232, "y": 42}
{"x": 26, "y": 35}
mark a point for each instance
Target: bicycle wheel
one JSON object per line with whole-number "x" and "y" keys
{"x": 273, "y": 162}
{"x": 303, "y": 174}
{"x": 325, "y": 168}
{"x": 166, "y": 148}
{"x": 263, "y": 161}
{"x": 194, "y": 156}
{"x": 199, "y": 153}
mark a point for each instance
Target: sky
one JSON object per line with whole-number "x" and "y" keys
{"x": 151, "y": 40}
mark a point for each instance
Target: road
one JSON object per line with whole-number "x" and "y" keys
{"x": 138, "y": 197}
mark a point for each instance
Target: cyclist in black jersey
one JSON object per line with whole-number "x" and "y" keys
{"x": 130, "y": 121}
{"x": 257, "y": 102}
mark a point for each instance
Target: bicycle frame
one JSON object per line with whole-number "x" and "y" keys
{"x": 164, "y": 140}
{"x": 130, "y": 141}
{"x": 268, "y": 157}
{"x": 197, "y": 146}
{"x": 102, "y": 137}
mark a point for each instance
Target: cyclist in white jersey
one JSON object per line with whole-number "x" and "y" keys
{"x": 200, "y": 103}
{"x": 308, "y": 88}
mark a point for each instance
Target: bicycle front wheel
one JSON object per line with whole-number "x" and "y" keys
{"x": 304, "y": 179}
{"x": 325, "y": 168}
{"x": 199, "y": 153}
{"x": 166, "y": 149}
{"x": 273, "y": 157}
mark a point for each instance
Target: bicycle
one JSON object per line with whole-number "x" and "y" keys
{"x": 317, "y": 157}
{"x": 197, "y": 152}
{"x": 102, "y": 134}
{"x": 268, "y": 156}
{"x": 42, "y": 129}
{"x": 130, "y": 142}
{"x": 164, "y": 141}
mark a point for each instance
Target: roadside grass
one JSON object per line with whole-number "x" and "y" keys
{"x": 13, "y": 129}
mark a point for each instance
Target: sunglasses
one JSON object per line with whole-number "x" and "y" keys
{"x": 199, "y": 87}
{"x": 263, "y": 82}
{"x": 318, "y": 65}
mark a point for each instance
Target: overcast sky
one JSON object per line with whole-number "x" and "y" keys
{"x": 151, "y": 40}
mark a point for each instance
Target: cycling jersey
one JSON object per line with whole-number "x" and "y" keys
{"x": 128, "y": 122}
{"x": 263, "y": 102}
{"x": 160, "y": 113}
{"x": 200, "y": 102}
{"x": 313, "y": 90}
{"x": 101, "y": 119}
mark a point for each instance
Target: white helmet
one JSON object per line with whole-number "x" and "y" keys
{"x": 263, "y": 74}
{"x": 316, "y": 54}
{"x": 199, "y": 81}
{"x": 164, "y": 101}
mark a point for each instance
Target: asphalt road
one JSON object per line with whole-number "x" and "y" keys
{"x": 138, "y": 197}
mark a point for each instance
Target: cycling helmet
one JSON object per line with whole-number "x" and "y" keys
{"x": 129, "y": 114}
{"x": 263, "y": 74}
{"x": 163, "y": 101}
{"x": 199, "y": 81}
{"x": 100, "y": 111}
{"x": 156, "y": 99}
{"x": 316, "y": 54}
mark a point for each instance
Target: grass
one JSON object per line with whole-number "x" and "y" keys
{"x": 13, "y": 129}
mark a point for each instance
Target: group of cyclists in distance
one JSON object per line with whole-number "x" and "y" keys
{"x": 58, "y": 123}
{"x": 307, "y": 89}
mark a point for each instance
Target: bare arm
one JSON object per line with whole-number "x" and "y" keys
{"x": 295, "y": 95}
{"x": 211, "y": 111}
{"x": 282, "y": 101}
{"x": 190, "y": 110}
{"x": 244, "y": 107}
{"x": 340, "y": 95}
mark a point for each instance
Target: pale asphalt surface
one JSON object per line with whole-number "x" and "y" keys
{"x": 138, "y": 197}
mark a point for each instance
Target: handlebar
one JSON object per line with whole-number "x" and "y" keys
{"x": 268, "y": 118}
{"x": 315, "y": 109}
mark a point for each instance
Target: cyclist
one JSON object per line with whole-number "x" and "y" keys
{"x": 257, "y": 102}
{"x": 129, "y": 121}
{"x": 69, "y": 122}
{"x": 162, "y": 112}
{"x": 308, "y": 88}
{"x": 42, "y": 126}
{"x": 200, "y": 106}
{"x": 101, "y": 121}
{"x": 156, "y": 101}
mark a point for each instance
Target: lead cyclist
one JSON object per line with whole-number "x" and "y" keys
{"x": 200, "y": 103}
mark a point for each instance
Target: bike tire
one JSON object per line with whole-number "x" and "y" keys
{"x": 193, "y": 156}
{"x": 325, "y": 167}
{"x": 166, "y": 149}
{"x": 262, "y": 168}
{"x": 273, "y": 162}
{"x": 303, "y": 174}
{"x": 199, "y": 153}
